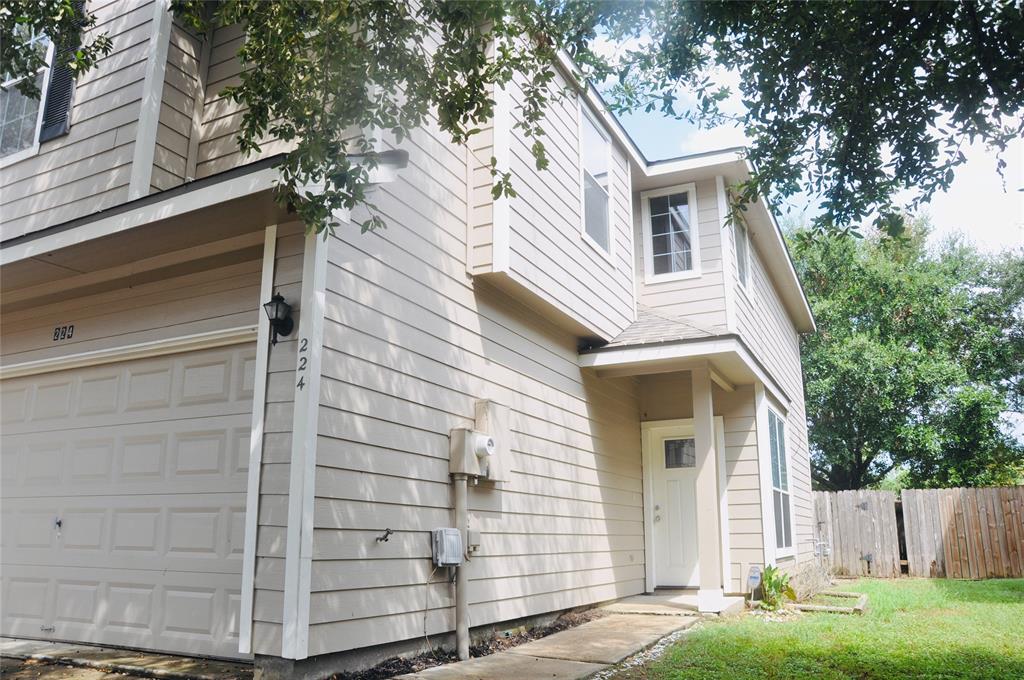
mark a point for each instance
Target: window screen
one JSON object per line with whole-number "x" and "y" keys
{"x": 596, "y": 219}
{"x": 18, "y": 117}
{"x": 742, "y": 253}
{"x": 780, "y": 481}
{"x": 671, "y": 235}
{"x": 680, "y": 453}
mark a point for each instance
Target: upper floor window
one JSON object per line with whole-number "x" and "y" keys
{"x": 742, "y": 252}
{"x": 595, "y": 166}
{"x": 671, "y": 247}
{"x": 780, "y": 482}
{"x": 21, "y": 116}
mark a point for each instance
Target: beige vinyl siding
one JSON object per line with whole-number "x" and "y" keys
{"x": 700, "y": 299}
{"x": 88, "y": 169}
{"x": 668, "y": 396}
{"x": 277, "y": 444}
{"x": 181, "y": 94}
{"x": 210, "y": 300}
{"x": 548, "y": 254}
{"x": 218, "y": 148}
{"x": 766, "y": 327}
{"x": 410, "y": 343}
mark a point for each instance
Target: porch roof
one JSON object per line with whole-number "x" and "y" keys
{"x": 652, "y": 326}
{"x": 665, "y": 346}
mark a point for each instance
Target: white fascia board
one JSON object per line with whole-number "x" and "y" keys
{"x": 252, "y": 491}
{"x": 780, "y": 242}
{"x": 141, "y": 350}
{"x": 639, "y": 355}
{"x": 645, "y": 354}
{"x": 695, "y": 162}
{"x": 173, "y": 206}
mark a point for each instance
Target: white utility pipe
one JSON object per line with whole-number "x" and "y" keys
{"x": 461, "y": 482}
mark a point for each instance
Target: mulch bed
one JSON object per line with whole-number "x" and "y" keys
{"x": 439, "y": 657}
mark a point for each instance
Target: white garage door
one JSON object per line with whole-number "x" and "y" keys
{"x": 123, "y": 500}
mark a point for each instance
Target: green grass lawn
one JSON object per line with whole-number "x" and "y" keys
{"x": 914, "y": 628}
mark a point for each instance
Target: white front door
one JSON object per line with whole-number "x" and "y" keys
{"x": 671, "y": 461}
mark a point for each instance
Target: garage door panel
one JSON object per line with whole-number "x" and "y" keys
{"x": 162, "y": 610}
{"x": 137, "y": 391}
{"x": 188, "y": 532}
{"x": 123, "y": 501}
{"x": 208, "y": 454}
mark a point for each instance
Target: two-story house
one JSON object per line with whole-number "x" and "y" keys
{"x": 175, "y": 480}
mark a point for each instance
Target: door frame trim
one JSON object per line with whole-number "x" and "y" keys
{"x": 650, "y": 576}
{"x": 141, "y": 350}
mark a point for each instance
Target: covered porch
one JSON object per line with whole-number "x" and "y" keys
{"x": 706, "y": 521}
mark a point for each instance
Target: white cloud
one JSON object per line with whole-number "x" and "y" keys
{"x": 978, "y": 205}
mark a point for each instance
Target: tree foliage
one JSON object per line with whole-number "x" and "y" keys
{"x": 849, "y": 101}
{"x": 917, "y": 357}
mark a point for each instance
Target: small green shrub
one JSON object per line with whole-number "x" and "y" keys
{"x": 775, "y": 586}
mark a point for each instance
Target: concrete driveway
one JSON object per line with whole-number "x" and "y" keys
{"x": 28, "y": 669}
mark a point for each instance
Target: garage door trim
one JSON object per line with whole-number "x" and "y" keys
{"x": 142, "y": 350}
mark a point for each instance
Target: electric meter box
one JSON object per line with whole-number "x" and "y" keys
{"x": 447, "y": 547}
{"x": 470, "y": 452}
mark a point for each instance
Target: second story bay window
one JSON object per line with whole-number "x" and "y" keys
{"x": 671, "y": 248}
{"x": 595, "y": 178}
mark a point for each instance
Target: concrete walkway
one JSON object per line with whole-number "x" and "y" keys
{"x": 574, "y": 653}
{"x": 146, "y": 664}
{"x": 670, "y": 602}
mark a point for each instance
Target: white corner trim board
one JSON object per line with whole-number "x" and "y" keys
{"x": 729, "y": 255}
{"x": 152, "y": 97}
{"x": 298, "y": 564}
{"x": 502, "y": 209}
{"x": 259, "y": 405}
{"x": 142, "y": 350}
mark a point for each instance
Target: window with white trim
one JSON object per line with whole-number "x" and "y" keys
{"x": 20, "y": 116}
{"x": 780, "y": 481}
{"x": 742, "y": 252}
{"x": 595, "y": 164}
{"x": 671, "y": 246}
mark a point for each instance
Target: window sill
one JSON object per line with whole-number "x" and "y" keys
{"x": 784, "y": 553}
{"x": 18, "y": 156}
{"x": 651, "y": 279}
{"x": 597, "y": 247}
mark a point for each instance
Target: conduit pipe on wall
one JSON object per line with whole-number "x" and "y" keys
{"x": 461, "y": 482}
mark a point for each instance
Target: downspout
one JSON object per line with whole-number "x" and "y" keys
{"x": 461, "y": 483}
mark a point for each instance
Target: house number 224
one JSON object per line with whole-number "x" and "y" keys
{"x": 63, "y": 332}
{"x": 301, "y": 368}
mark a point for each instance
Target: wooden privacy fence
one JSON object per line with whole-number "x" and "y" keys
{"x": 965, "y": 533}
{"x": 858, "y": 531}
{"x": 952, "y": 533}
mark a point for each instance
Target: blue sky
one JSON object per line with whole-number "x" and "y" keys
{"x": 976, "y": 204}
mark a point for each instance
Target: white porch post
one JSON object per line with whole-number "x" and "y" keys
{"x": 711, "y": 595}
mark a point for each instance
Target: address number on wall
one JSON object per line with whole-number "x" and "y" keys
{"x": 63, "y": 332}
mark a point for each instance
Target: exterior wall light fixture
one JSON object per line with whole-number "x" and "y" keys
{"x": 280, "y": 314}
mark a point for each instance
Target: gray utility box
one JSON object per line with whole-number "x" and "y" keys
{"x": 447, "y": 547}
